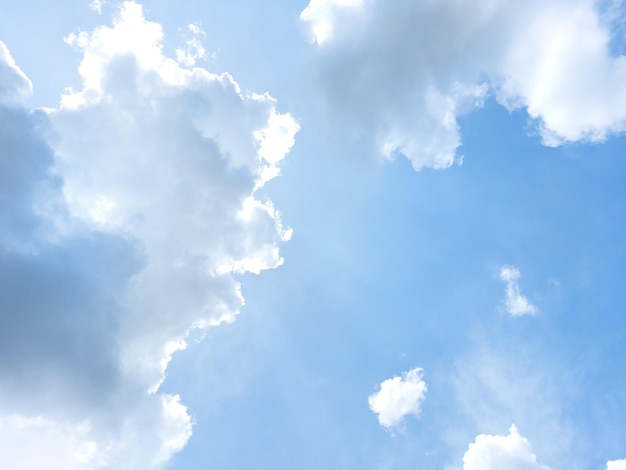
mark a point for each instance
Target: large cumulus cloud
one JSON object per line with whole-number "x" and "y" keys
{"x": 125, "y": 212}
{"x": 399, "y": 73}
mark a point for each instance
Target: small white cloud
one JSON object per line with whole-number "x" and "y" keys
{"x": 515, "y": 303}
{"x": 512, "y": 452}
{"x": 96, "y": 5}
{"x": 399, "y": 397}
{"x": 396, "y": 74}
{"x": 616, "y": 464}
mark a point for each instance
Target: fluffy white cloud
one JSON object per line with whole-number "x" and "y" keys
{"x": 616, "y": 464}
{"x": 512, "y": 452}
{"x": 127, "y": 210}
{"x": 96, "y": 5}
{"x": 398, "y": 74}
{"x": 399, "y": 397}
{"x": 515, "y": 303}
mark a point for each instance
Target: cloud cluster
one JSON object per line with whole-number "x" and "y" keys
{"x": 398, "y": 74}
{"x": 125, "y": 213}
{"x": 512, "y": 452}
{"x": 515, "y": 303}
{"x": 399, "y": 397}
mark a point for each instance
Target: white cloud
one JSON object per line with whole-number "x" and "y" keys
{"x": 512, "y": 452}
{"x": 126, "y": 210}
{"x": 398, "y": 74}
{"x": 96, "y": 5}
{"x": 616, "y": 465}
{"x": 15, "y": 86}
{"x": 515, "y": 303}
{"x": 399, "y": 397}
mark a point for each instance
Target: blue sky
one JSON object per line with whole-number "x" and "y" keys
{"x": 332, "y": 234}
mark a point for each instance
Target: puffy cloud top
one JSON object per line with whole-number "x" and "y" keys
{"x": 512, "y": 452}
{"x": 127, "y": 209}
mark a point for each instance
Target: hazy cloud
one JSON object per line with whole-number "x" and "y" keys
{"x": 514, "y": 383}
{"x": 515, "y": 303}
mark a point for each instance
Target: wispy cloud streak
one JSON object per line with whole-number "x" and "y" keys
{"x": 515, "y": 303}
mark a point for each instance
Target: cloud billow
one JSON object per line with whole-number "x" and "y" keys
{"x": 125, "y": 212}
{"x": 398, "y": 74}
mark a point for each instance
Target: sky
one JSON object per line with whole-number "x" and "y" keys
{"x": 316, "y": 234}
